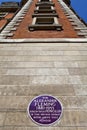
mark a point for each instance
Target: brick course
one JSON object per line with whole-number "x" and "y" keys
{"x": 67, "y": 32}
{"x": 4, "y": 21}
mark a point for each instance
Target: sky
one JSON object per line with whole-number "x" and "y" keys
{"x": 9, "y": 0}
{"x": 80, "y": 6}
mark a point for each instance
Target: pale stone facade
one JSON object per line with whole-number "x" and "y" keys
{"x": 31, "y": 67}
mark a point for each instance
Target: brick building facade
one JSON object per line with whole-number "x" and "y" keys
{"x": 72, "y": 27}
{"x": 43, "y": 54}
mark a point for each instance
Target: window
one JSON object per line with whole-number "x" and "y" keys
{"x": 45, "y": 17}
{"x": 3, "y": 14}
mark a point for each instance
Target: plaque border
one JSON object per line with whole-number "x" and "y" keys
{"x": 57, "y": 121}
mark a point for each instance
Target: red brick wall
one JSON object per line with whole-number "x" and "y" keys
{"x": 4, "y": 20}
{"x": 67, "y": 32}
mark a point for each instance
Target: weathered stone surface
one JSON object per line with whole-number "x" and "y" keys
{"x": 42, "y": 58}
{"x": 26, "y": 90}
{"x": 41, "y": 80}
{"x": 50, "y": 128}
{"x": 42, "y": 128}
{"x": 8, "y": 128}
{"x": 80, "y": 89}
{"x": 20, "y": 103}
{"x": 37, "y": 71}
{"x": 2, "y": 118}
{"x": 69, "y": 118}
{"x": 78, "y": 71}
{"x": 28, "y": 70}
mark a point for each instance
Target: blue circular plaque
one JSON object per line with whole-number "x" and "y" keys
{"x": 45, "y": 110}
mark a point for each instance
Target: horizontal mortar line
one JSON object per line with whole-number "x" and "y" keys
{"x": 49, "y": 84}
{"x": 43, "y": 85}
{"x": 33, "y": 67}
{"x": 46, "y": 49}
{"x": 38, "y": 68}
{"x": 12, "y": 110}
{"x": 21, "y": 50}
{"x": 39, "y": 53}
{"x": 63, "y": 47}
{"x": 6, "y": 61}
{"x": 20, "y": 126}
{"x": 42, "y": 94}
{"x": 37, "y": 73}
{"x": 58, "y": 126}
{"x": 29, "y": 56}
{"x": 25, "y": 110}
{"x": 57, "y": 75}
{"x": 43, "y": 75}
{"x": 32, "y": 96}
{"x": 12, "y": 85}
{"x": 63, "y": 95}
{"x": 23, "y": 126}
{"x": 39, "y": 44}
{"x": 42, "y": 50}
{"x": 74, "y": 109}
{"x": 73, "y": 125}
{"x": 32, "y": 52}
{"x": 42, "y": 44}
{"x": 47, "y": 55}
{"x": 35, "y": 94}
{"x": 42, "y": 67}
{"x": 43, "y": 61}
{"x": 64, "y": 75}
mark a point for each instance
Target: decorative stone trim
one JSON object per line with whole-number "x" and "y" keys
{"x": 3, "y": 15}
{"x": 15, "y": 21}
{"x": 54, "y": 25}
{"x": 45, "y": 40}
{"x": 45, "y": 21}
{"x": 76, "y": 23}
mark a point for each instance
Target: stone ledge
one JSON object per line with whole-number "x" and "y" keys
{"x": 45, "y": 40}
